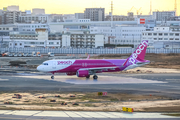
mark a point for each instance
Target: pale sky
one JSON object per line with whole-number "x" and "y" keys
{"x": 78, "y": 6}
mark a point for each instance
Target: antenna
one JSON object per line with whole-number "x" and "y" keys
{"x": 150, "y": 8}
{"x": 111, "y": 14}
{"x": 175, "y": 7}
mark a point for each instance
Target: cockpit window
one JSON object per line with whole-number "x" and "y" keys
{"x": 45, "y": 63}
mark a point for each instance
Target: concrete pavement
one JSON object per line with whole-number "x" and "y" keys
{"x": 80, "y": 115}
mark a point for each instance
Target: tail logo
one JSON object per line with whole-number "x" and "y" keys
{"x": 137, "y": 52}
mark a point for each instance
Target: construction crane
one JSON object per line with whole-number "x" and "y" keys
{"x": 130, "y": 9}
{"x": 139, "y": 11}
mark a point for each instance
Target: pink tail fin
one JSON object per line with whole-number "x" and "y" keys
{"x": 140, "y": 52}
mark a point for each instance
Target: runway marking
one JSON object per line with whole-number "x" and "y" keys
{"x": 83, "y": 114}
{"x": 101, "y": 80}
{"x": 172, "y": 79}
{"x": 4, "y": 79}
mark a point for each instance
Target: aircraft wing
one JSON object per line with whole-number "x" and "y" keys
{"x": 99, "y": 68}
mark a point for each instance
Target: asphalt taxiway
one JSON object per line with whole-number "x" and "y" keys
{"x": 156, "y": 84}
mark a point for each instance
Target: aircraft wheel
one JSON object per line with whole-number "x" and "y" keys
{"x": 95, "y": 77}
{"x": 52, "y": 77}
{"x": 88, "y": 76}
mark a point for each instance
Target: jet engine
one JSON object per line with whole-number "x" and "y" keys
{"x": 82, "y": 73}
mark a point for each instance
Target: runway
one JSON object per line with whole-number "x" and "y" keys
{"x": 156, "y": 84}
{"x": 80, "y": 115}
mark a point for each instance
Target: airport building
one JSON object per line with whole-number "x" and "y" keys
{"x": 163, "y": 37}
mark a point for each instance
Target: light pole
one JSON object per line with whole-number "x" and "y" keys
{"x": 133, "y": 39}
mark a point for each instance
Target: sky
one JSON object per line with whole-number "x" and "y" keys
{"x": 78, "y": 6}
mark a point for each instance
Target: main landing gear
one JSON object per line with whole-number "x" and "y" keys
{"x": 87, "y": 77}
{"x": 95, "y": 77}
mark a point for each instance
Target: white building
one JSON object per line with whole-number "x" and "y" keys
{"x": 30, "y": 27}
{"x": 120, "y": 34}
{"x": 30, "y": 18}
{"x": 42, "y": 38}
{"x": 163, "y": 37}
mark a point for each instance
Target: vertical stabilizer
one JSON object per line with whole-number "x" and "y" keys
{"x": 138, "y": 55}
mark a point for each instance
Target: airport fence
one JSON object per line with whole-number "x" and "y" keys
{"x": 84, "y": 51}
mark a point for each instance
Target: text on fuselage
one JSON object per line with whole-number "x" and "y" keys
{"x": 64, "y": 62}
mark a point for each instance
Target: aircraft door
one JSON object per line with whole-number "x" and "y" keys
{"x": 54, "y": 65}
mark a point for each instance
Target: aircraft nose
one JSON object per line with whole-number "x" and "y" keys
{"x": 39, "y": 68}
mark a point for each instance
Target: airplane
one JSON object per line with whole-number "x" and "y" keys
{"x": 88, "y": 67}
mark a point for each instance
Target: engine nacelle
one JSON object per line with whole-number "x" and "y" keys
{"x": 70, "y": 73}
{"x": 82, "y": 73}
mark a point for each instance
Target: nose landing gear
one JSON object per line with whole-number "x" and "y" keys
{"x": 52, "y": 77}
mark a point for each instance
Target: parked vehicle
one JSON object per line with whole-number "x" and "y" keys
{"x": 19, "y": 55}
{"x": 25, "y": 54}
{"x": 15, "y": 54}
{"x": 34, "y": 54}
{"x": 38, "y": 54}
{"x": 29, "y": 54}
{"x": 10, "y": 55}
{"x": 50, "y": 54}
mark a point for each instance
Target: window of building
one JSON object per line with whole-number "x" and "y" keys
{"x": 160, "y": 34}
{"x": 154, "y": 34}
{"x": 7, "y": 28}
{"x": 176, "y": 34}
{"x": 3, "y": 28}
{"x": 155, "y": 38}
{"x": 57, "y": 42}
{"x": 165, "y": 34}
{"x": 41, "y": 42}
{"x": 51, "y": 43}
{"x": 171, "y": 38}
{"x": 15, "y": 43}
{"x": 0, "y": 28}
{"x": 149, "y": 33}
{"x": 160, "y": 39}
{"x": 176, "y": 38}
{"x": 171, "y": 34}
{"x": 20, "y": 44}
{"x": 165, "y": 38}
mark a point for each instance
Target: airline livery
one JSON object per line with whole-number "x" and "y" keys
{"x": 87, "y": 67}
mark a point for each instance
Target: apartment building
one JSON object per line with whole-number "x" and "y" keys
{"x": 163, "y": 15}
{"x": 94, "y": 14}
